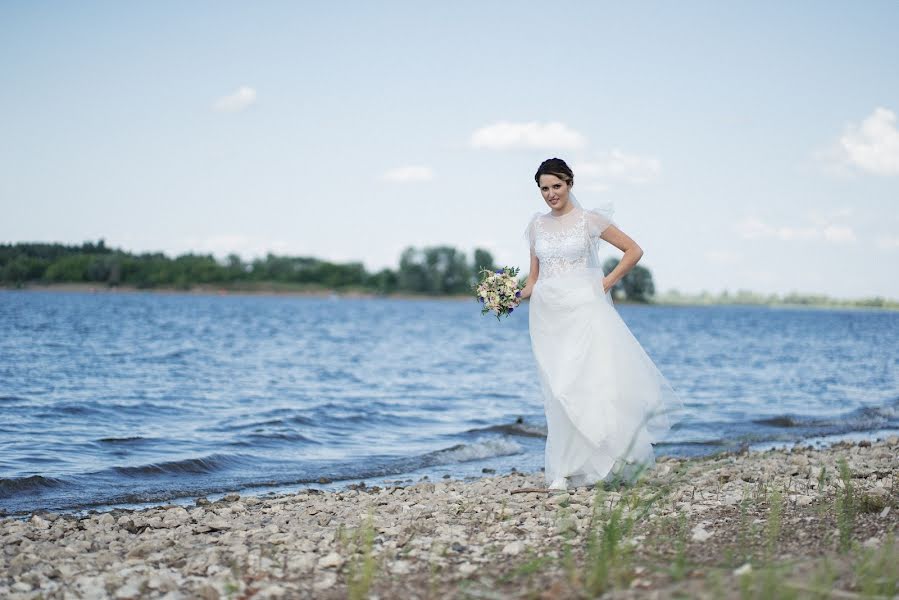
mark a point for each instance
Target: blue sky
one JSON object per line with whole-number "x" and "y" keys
{"x": 743, "y": 145}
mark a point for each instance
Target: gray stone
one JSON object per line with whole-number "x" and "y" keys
{"x": 272, "y": 591}
{"x": 330, "y": 560}
{"x": 214, "y": 523}
{"x": 301, "y": 563}
{"x": 700, "y": 534}
{"x": 130, "y": 590}
{"x": 400, "y": 567}
{"x": 513, "y": 548}
{"x": 325, "y": 581}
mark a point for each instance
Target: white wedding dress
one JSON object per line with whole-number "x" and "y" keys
{"x": 605, "y": 400}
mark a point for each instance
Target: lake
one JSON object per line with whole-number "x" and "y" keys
{"x": 135, "y": 398}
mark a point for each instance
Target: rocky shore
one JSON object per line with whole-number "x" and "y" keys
{"x": 807, "y": 522}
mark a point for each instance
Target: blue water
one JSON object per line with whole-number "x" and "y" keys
{"x": 130, "y": 398}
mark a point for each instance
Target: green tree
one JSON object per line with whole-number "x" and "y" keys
{"x": 448, "y": 270}
{"x": 72, "y": 268}
{"x": 235, "y": 268}
{"x": 483, "y": 259}
{"x": 384, "y": 281}
{"x": 637, "y": 285}
{"x": 434, "y": 270}
{"x": 412, "y": 275}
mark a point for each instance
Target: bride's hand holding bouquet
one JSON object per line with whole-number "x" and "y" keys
{"x": 498, "y": 291}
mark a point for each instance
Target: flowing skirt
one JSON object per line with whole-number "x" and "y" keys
{"x": 606, "y": 402}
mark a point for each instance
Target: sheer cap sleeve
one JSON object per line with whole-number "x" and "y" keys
{"x": 530, "y": 232}
{"x": 598, "y": 219}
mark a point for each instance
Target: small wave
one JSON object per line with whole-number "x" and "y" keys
{"x": 74, "y": 409}
{"x": 477, "y": 451}
{"x": 480, "y": 450}
{"x": 519, "y": 428}
{"x": 781, "y": 421}
{"x": 206, "y": 464}
{"x": 280, "y": 436}
{"x": 171, "y": 355}
{"x": 5, "y": 399}
{"x": 500, "y": 396}
{"x": 250, "y": 425}
{"x": 143, "y": 408}
{"x": 33, "y": 483}
{"x": 701, "y": 443}
{"x": 122, "y": 440}
{"x": 859, "y": 419}
{"x": 887, "y": 411}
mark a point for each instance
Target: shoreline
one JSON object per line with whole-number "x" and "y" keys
{"x": 328, "y": 293}
{"x": 412, "y": 477}
{"x": 703, "y": 527}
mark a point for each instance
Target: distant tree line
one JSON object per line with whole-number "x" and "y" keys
{"x": 435, "y": 270}
{"x": 747, "y": 297}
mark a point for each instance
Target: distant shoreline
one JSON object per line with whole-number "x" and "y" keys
{"x": 269, "y": 289}
{"x": 211, "y": 290}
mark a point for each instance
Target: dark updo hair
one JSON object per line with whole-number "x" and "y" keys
{"x": 557, "y": 167}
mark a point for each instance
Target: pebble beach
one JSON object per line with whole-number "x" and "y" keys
{"x": 798, "y": 520}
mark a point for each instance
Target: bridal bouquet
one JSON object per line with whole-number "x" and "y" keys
{"x": 498, "y": 291}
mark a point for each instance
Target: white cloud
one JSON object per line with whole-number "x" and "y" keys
{"x": 753, "y": 228}
{"x": 874, "y": 145}
{"x": 838, "y": 233}
{"x": 409, "y": 174}
{"x": 618, "y": 166}
{"x": 796, "y": 234}
{"x": 240, "y": 100}
{"x": 533, "y": 135}
{"x": 830, "y": 216}
{"x": 887, "y": 242}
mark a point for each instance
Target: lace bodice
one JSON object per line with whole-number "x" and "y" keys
{"x": 565, "y": 244}
{"x": 561, "y": 250}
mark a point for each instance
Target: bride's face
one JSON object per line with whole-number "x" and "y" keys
{"x": 555, "y": 192}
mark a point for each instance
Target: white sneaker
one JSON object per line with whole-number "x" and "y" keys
{"x": 559, "y": 484}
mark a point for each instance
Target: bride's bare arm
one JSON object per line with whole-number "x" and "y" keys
{"x": 632, "y": 253}
{"x": 532, "y": 277}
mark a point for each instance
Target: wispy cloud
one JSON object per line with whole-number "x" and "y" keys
{"x": 753, "y": 228}
{"x": 408, "y": 174}
{"x": 506, "y": 135}
{"x": 873, "y": 146}
{"x": 617, "y": 166}
{"x": 240, "y": 100}
{"x": 888, "y": 242}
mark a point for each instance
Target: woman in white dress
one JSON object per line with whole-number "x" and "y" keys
{"x": 605, "y": 400}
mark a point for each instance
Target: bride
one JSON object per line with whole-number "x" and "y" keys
{"x": 605, "y": 400}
